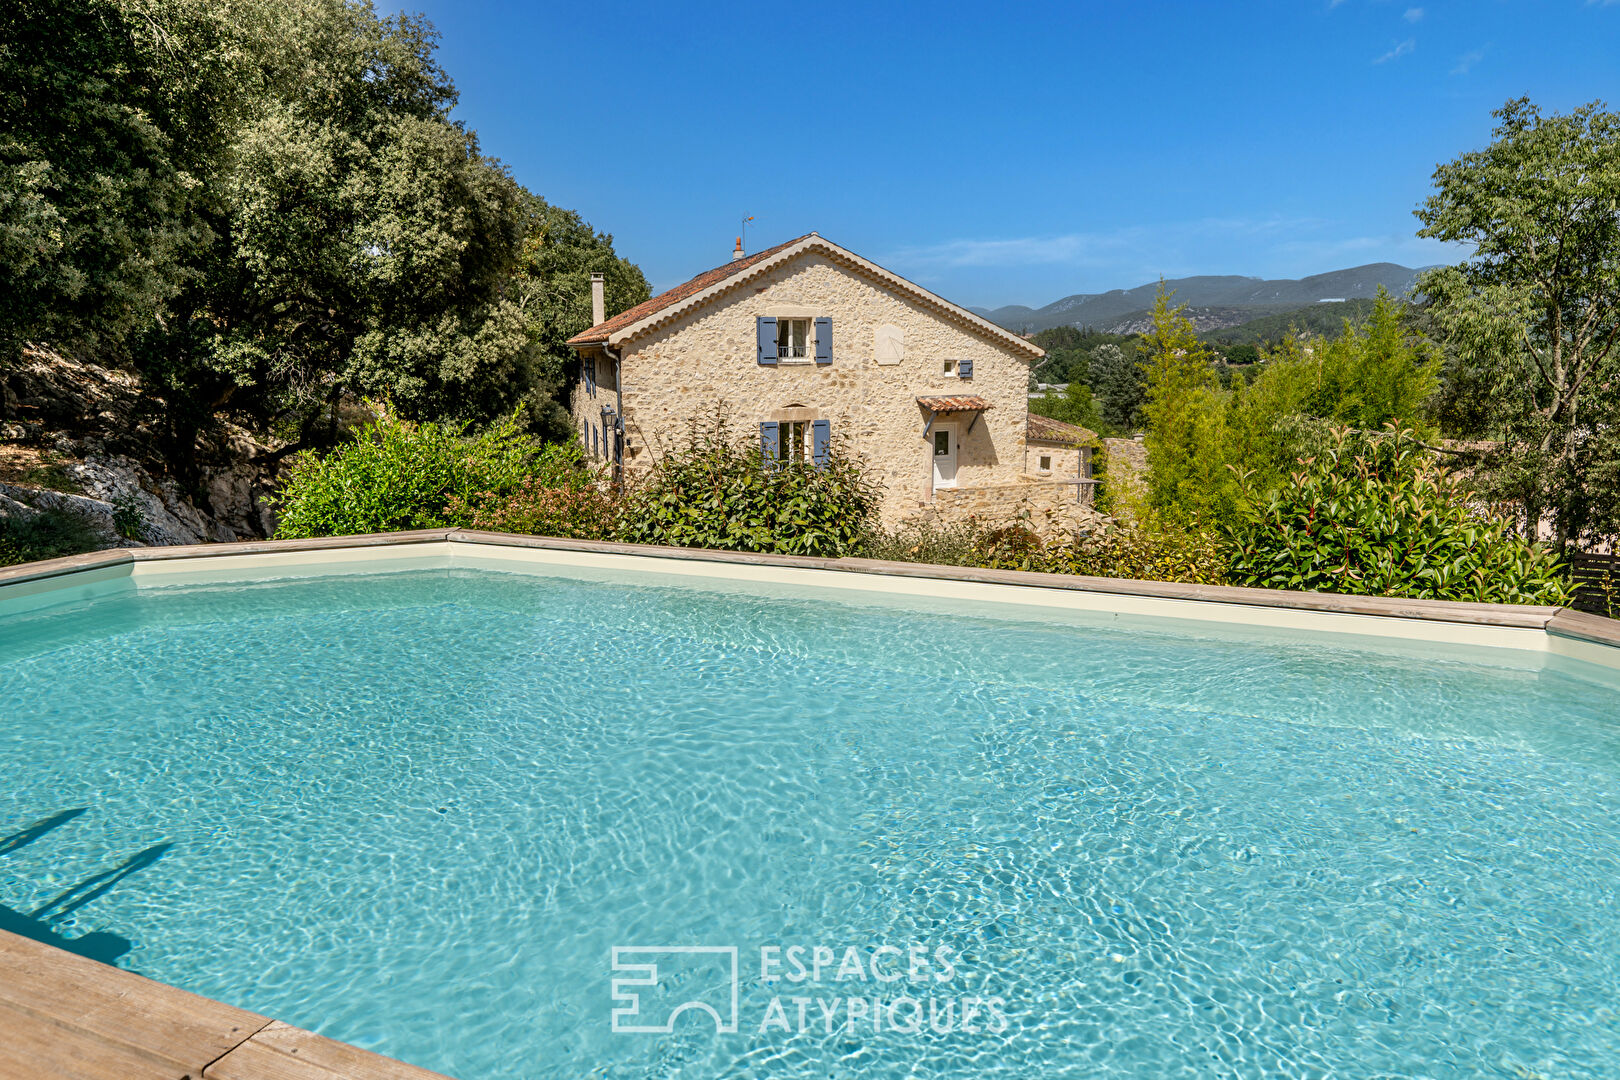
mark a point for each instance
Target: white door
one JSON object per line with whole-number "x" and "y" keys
{"x": 944, "y": 457}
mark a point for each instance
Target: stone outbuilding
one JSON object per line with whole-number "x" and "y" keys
{"x": 807, "y": 343}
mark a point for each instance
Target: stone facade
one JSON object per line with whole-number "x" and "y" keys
{"x": 889, "y": 348}
{"x": 1052, "y": 509}
{"x": 1057, "y": 461}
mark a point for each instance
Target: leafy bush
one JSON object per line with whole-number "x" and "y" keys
{"x": 560, "y": 498}
{"x": 1372, "y": 515}
{"x": 50, "y": 534}
{"x": 716, "y": 491}
{"x": 927, "y": 540}
{"x": 1145, "y": 548}
{"x": 128, "y": 518}
{"x": 399, "y": 475}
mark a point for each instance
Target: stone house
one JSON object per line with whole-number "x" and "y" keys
{"x": 807, "y": 342}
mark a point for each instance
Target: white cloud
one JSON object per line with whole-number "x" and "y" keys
{"x": 1467, "y": 60}
{"x": 1413, "y": 14}
{"x": 1329, "y": 254}
{"x": 1397, "y": 52}
{"x": 1100, "y": 249}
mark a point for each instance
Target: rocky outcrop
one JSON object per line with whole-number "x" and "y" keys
{"x": 76, "y": 437}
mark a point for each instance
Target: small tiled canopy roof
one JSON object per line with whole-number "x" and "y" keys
{"x": 1044, "y": 429}
{"x": 955, "y": 403}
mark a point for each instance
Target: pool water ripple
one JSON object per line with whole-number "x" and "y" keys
{"x": 417, "y": 811}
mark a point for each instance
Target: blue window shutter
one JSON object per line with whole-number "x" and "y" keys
{"x": 823, "y": 340}
{"x": 964, "y": 367}
{"x": 820, "y": 441}
{"x": 768, "y": 431}
{"x": 766, "y": 328}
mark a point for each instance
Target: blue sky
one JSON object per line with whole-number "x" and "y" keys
{"x": 1013, "y": 153}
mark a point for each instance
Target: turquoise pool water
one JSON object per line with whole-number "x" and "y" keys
{"x": 419, "y": 811}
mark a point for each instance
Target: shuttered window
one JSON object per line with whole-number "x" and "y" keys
{"x": 824, "y": 340}
{"x": 765, "y": 329}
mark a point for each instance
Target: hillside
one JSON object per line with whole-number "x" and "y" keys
{"x": 1326, "y": 319}
{"x": 1216, "y": 302}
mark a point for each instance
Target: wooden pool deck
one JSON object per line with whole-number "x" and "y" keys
{"x": 64, "y": 1017}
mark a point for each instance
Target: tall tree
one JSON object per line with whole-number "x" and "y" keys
{"x": 552, "y": 288}
{"x": 364, "y": 244}
{"x": 1116, "y": 378}
{"x": 1377, "y": 372}
{"x": 1533, "y": 317}
{"x": 1186, "y": 419}
{"x": 93, "y": 233}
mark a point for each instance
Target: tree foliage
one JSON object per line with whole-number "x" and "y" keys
{"x": 1185, "y": 413}
{"x": 93, "y": 230}
{"x": 551, "y": 288}
{"x": 1532, "y": 319}
{"x": 1074, "y": 406}
{"x": 1373, "y": 373}
{"x": 1117, "y": 381}
{"x": 266, "y": 207}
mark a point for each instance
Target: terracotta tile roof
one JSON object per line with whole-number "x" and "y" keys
{"x": 954, "y": 403}
{"x": 1045, "y": 429}
{"x": 602, "y": 330}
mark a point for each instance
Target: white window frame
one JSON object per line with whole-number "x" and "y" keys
{"x": 785, "y": 347}
{"x": 1045, "y": 463}
{"x": 793, "y": 441}
{"x": 950, "y": 369}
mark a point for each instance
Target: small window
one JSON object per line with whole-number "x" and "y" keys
{"x": 1046, "y": 463}
{"x": 950, "y": 368}
{"x": 792, "y": 336}
{"x": 793, "y": 441}
{"x": 942, "y": 443}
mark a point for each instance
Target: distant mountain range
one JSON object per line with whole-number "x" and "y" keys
{"x": 1214, "y": 302}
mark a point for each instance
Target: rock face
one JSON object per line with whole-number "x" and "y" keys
{"x": 74, "y": 439}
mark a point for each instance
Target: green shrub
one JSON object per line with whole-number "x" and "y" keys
{"x": 927, "y": 540}
{"x": 1144, "y": 548}
{"x": 128, "y": 518}
{"x": 1373, "y": 515}
{"x": 717, "y": 491}
{"x": 50, "y": 534}
{"x": 560, "y": 498}
{"x": 399, "y": 475}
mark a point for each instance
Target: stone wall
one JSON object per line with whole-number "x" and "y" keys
{"x": 1052, "y": 509}
{"x": 1063, "y": 462}
{"x": 705, "y": 364}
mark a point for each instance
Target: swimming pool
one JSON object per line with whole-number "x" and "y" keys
{"x": 419, "y": 811}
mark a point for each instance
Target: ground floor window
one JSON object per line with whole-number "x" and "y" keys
{"x": 792, "y": 440}
{"x": 783, "y": 442}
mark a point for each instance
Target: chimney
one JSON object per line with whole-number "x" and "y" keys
{"x": 737, "y": 252}
{"x": 598, "y": 300}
